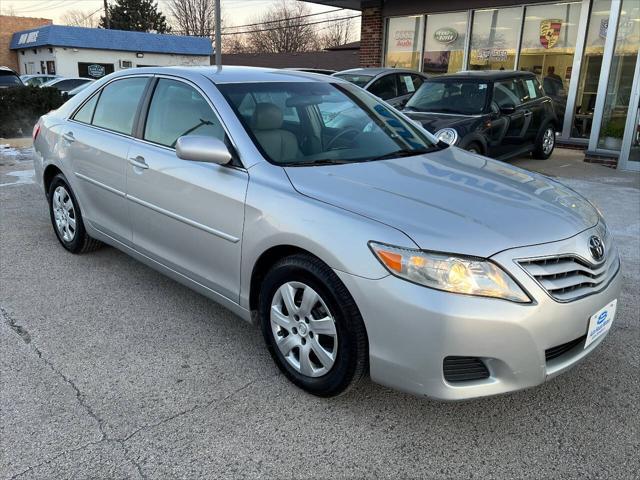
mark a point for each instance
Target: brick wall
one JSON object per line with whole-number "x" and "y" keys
{"x": 371, "y": 38}
{"x": 9, "y": 25}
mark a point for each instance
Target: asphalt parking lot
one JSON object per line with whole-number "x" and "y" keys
{"x": 110, "y": 370}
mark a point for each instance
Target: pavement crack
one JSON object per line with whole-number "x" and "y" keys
{"x": 26, "y": 338}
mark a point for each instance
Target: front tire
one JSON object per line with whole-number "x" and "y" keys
{"x": 312, "y": 326}
{"x": 545, "y": 143}
{"x": 66, "y": 218}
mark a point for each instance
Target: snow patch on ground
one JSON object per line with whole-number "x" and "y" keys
{"x": 24, "y": 177}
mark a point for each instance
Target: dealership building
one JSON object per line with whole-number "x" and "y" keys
{"x": 585, "y": 53}
{"x": 95, "y": 52}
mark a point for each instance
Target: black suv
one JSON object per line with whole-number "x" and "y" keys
{"x": 500, "y": 114}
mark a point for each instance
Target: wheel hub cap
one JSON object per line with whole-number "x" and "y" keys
{"x": 64, "y": 214}
{"x": 304, "y": 329}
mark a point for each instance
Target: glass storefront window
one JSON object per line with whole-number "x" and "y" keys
{"x": 590, "y": 69}
{"x": 616, "y": 104}
{"x": 404, "y": 37}
{"x": 494, "y": 38}
{"x": 444, "y": 42}
{"x": 548, "y": 46}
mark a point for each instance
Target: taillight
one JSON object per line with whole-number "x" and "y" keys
{"x": 36, "y": 131}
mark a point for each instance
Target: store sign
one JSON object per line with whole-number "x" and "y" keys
{"x": 96, "y": 70}
{"x": 624, "y": 28}
{"x": 550, "y": 32}
{"x": 445, "y": 35}
{"x": 28, "y": 37}
{"x": 492, "y": 55}
{"x": 404, "y": 39}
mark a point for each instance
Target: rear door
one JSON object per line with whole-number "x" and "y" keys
{"x": 97, "y": 139}
{"x": 186, "y": 215}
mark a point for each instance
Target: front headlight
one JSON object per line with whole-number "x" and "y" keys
{"x": 451, "y": 273}
{"x": 447, "y": 135}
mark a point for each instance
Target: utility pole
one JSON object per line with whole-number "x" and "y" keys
{"x": 218, "y": 34}
{"x": 107, "y": 21}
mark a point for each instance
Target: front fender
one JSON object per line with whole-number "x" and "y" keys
{"x": 276, "y": 214}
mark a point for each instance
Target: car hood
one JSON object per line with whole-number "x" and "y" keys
{"x": 433, "y": 122}
{"x": 452, "y": 200}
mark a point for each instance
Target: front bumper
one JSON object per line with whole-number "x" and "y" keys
{"x": 412, "y": 329}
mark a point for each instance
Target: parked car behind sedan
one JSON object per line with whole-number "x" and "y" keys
{"x": 38, "y": 79}
{"x": 367, "y": 248}
{"x": 9, "y": 78}
{"x": 501, "y": 114}
{"x": 393, "y": 85}
{"x": 66, "y": 84}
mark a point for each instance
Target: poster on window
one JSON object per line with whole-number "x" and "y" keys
{"x": 404, "y": 36}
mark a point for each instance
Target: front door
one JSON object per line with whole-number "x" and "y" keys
{"x": 516, "y": 117}
{"x": 186, "y": 215}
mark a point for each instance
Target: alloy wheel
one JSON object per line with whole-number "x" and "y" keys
{"x": 304, "y": 330}
{"x": 64, "y": 214}
{"x": 548, "y": 140}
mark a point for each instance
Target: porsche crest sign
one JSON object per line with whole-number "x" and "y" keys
{"x": 550, "y": 32}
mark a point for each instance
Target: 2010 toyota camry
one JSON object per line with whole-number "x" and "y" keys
{"x": 368, "y": 248}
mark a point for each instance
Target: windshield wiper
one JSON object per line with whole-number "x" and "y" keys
{"x": 321, "y": 161}
{"x": 402, "y": 153}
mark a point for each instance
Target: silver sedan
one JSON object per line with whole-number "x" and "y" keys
{"x": 365, "y": 249}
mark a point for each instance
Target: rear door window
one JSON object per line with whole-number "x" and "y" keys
{"x": 85, "y": 114}
{"x": 118, "y": 103}
{"x": 408, "y": 83}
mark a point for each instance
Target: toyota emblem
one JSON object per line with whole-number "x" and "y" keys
{"x": 596, "y": 247}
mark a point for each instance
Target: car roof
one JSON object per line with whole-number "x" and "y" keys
{"x": 7, "y": 70}
{"x": 487, "y": 74}
{"x": 374, "y": 72}
{"x": 233, "y": 74}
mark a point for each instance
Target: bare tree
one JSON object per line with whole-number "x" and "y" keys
{"x": 336, "y": 33}
{"x": 281, "y": 29}
{"x": 235, "y": 44}
{"x": 193, "y": 17}
{"x": 80, "y": 18}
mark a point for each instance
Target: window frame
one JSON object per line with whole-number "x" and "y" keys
{"x": 148, "y": 99}
{"x": 98, "y": 92}
{"x": 138, "y": 132}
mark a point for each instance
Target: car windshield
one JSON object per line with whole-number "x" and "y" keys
{"x": 316, "y": 123}
{"x": 359, "y": 80}
{"x": 449, "y": 96}
{"x": 9, "y": 79}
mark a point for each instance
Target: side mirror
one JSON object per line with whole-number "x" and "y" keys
{"x": 508, "y": 109}
{"x": 198, "y": 148}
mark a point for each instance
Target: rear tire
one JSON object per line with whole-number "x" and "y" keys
{"x": 66, "y": 218}
{"x": 319, "y": 342}
{"x": 545, "y": 143}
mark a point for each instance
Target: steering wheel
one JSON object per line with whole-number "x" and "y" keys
{"x": 342, "y": 134}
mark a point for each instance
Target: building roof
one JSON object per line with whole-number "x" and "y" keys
{"x": 350, "y": 4}
{"x": 346, "y": 46}
{"x": 103, "y": 39}
{"x": 329, "y": 60}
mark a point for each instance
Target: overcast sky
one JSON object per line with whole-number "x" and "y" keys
{"x": 235, "y": 12}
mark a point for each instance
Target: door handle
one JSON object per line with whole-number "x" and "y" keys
{"x": 69, "y": 137}
{"x": 139, "y": 162}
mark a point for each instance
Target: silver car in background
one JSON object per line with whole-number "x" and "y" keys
{"x": 368, "y": 248}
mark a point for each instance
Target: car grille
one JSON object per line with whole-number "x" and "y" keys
{"x": 555, "y": 352}
{"x": 569, "y": 277}
{"x": 463, "y": 369}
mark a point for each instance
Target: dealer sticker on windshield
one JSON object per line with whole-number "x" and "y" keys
{"x": 600, "y": 322}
